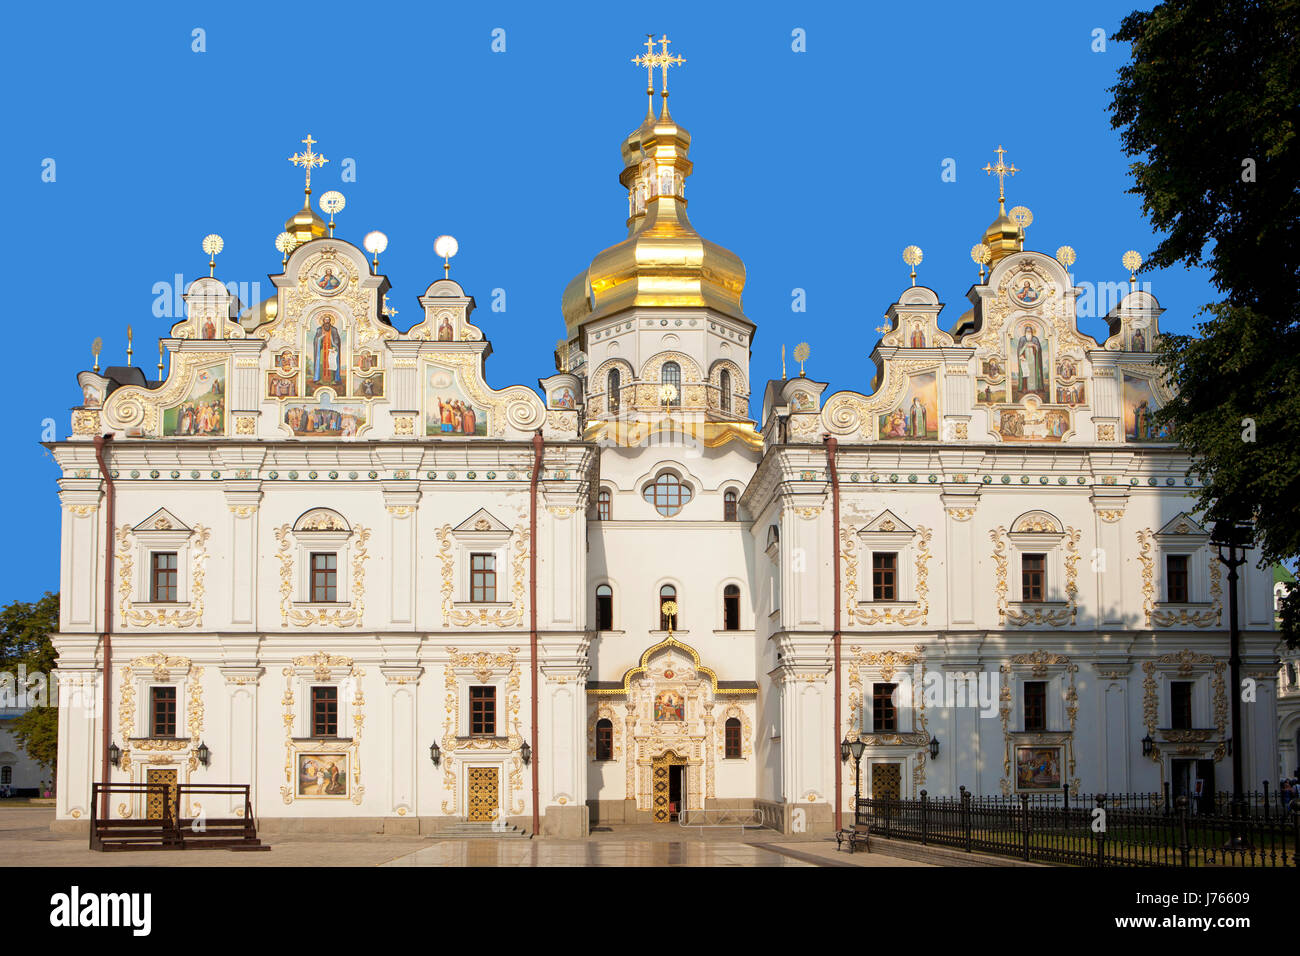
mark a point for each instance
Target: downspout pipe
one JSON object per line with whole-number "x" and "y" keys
{"x": 106, "y": 638}
{"x": 538, "y": 446}
{"x": 831, "y": 446}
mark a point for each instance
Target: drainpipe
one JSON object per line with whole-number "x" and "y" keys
{"x": 831, "y": 446}
{"x": 101, "y": 443}
{"x": 532, "y": 615}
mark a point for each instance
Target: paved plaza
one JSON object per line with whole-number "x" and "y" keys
{"x": 26, "y": 840}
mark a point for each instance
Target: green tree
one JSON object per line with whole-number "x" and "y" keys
{"x": 25, "y": 629}
{"x": 1209, "y": 109}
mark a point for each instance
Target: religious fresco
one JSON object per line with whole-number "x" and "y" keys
{"x": 322, "y": 775}
{"x": 918, "y": 415}
{"x": 328, "y": 278}
{"x": 1032, "y": 422}
{"x": 325, "y": 419}
{"x": 1029, "y": 361}
{"x": 208, "y": 328}
{"x": 365, "y": 360}
{"x": 562, "y": 398}
{"x": 1073, "y": 394}
{"x": 1038, "y": 768}
{"x": 916, "y": 337}
{"x": 278, "y": 386}
{"x": 1027, "y": 292}
{"x": 1140, "y": 403}
{"x": 446, "y": 332}
{"x": 447, "y": 409}
{"x": 369, "y": 386}
{"x": 323, "y": 354}
{"x": 203, "y": 411}
{"x": 669, "y": 705}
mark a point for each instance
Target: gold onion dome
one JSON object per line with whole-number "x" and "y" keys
{"x": 305, "y": 225}
{"x": 663, "y": 262}
{"x": 1002, "y": 237}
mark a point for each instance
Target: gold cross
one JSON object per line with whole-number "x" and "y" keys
{"x": 1000, "y": 170}
{"x": 666, "y": 61}
{"x": 649, "y": 60}
{"x": 308, "y": 159}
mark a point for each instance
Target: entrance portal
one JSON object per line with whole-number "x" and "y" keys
{"x": 668, "y": 774}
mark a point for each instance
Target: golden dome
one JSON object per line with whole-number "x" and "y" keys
{"x": 663, "y": 262}
{"x": 1002, "y": 237}
{"x": 305, "y": 225}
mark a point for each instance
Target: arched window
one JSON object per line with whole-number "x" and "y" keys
{"x": 732, "y": 739}
{"x": 614, "y": 381}
{"x": 604, "y": 608}
{"x": 724, "y": 386}
{"x": 604, "y": 739}
{"x": 729, "y": 506}
{"x": 668, "y": 593}
{"x": 731, "y": 608}
{"x": 671, "y": 374}
{"x": 667, "y": 494}
{"x": 603, "y": 504}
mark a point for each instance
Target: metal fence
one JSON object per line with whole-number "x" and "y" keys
{"x": 1132, "y": 829}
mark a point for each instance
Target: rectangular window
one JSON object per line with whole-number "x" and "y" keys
{"x": 162, "y": 712}
{"x": 603, "y": 503}
{"x": 731, "y": 608}
{"x": 1035, "y": 704}
{"x": 604, "y": 739}
{"x": 884, "y": 576}
{"x": 483, "y": 578}
{"x": 604, "y": 608}
{"x": 1180, "y": 705}
{"x": 884, "y": 717}
{"x": 324, "y": 577}
{"x": 324, "y": 711}
{"x": 482, "y": 711}
{"x": 1033, "y": 576}
{"x": 1176, "y": 578}
{"x": 162, "y": 576}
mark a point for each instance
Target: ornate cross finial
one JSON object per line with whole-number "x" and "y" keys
{"x": 665, "y": 61}
{"x": 1000, "y": 169}
{"x": 307, "y": 159}
{"x": 649, "y": 60}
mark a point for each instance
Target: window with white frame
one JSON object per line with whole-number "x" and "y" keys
{"x": 482, "y": 560}
{"x": 322, "y": 542}
{"x": 887, "y": 552}
{"x": 1037, "y": 560}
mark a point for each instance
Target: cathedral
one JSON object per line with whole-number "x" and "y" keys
{"x": 324, "y": 557}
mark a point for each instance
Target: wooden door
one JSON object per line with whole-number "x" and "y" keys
{"x": 154, "y": 802}
{"x": 482, "y": 793}
{"x": 886, "y": 781}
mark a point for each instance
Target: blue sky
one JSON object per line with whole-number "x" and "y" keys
{"x": 816, "y": 167}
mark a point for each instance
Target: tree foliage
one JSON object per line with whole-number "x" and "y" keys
{"x": 25, "y": 629}
{"x": 1209, "y": 109}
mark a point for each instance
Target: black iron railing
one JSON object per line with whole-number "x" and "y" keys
{"x": 1096, "y": 829}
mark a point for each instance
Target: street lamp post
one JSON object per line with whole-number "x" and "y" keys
{"x": 1233, "y": 539}
{"x": 854, "y": 748}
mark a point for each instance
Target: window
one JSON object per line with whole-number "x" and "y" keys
{"x": 667, "y": 593}
{"x": 884, "y": 717}
{"x": 604, "y": 501}
{"x": 724, "y": 386}
{"x": 1290, "y": 674}
{"x": 1180, "y": 705}
{"x": 604, "y": 739}
{"x": 614, "y": 381}
{"x": 671, "y": 374}
{"x": 667, "y": 494}
{"x": 6, "y": 775}
{"x": 731, "y": 608}
{"x": 1176, "y": 578}
{"x": 483, "y": 578}
{"x": 604, "y": 608}
{"x": 729, "y": 506}
{"x": 1033, "y": 574}
{"x": 731, "y": 736}
{"x": 1035, "y": 704}
{"x": 324, "y": 711}
{"x": 162, "y": 712}
{"x": 482, "y": 711}
{"x": 324, "y": 577}
{"x": 884, "y": 575}
{"x": 162, "y": 576}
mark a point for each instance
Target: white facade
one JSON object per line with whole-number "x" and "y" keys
{"x": 271, "y": 443}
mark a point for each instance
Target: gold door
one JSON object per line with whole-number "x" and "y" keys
{"x": 483, "y": 793}
{"x": 154, "y": 802}
{"x": 660, "y": 779}
{"x": 886, "y": 781}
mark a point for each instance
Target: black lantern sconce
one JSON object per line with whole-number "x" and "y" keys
{"x": 435, "y": 753}
{"x": 203, "y": 753}
{"x": 527, "y": 753}
{"x": 114, "y": 755}
{"x": 934, "y": 748}
{"x": 1147, "y": 745}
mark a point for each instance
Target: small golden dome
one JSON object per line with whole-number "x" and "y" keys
{"x": 1002, "y": 237}
{"x": 305, "y": 225}
{"x": 663, "y": 262}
